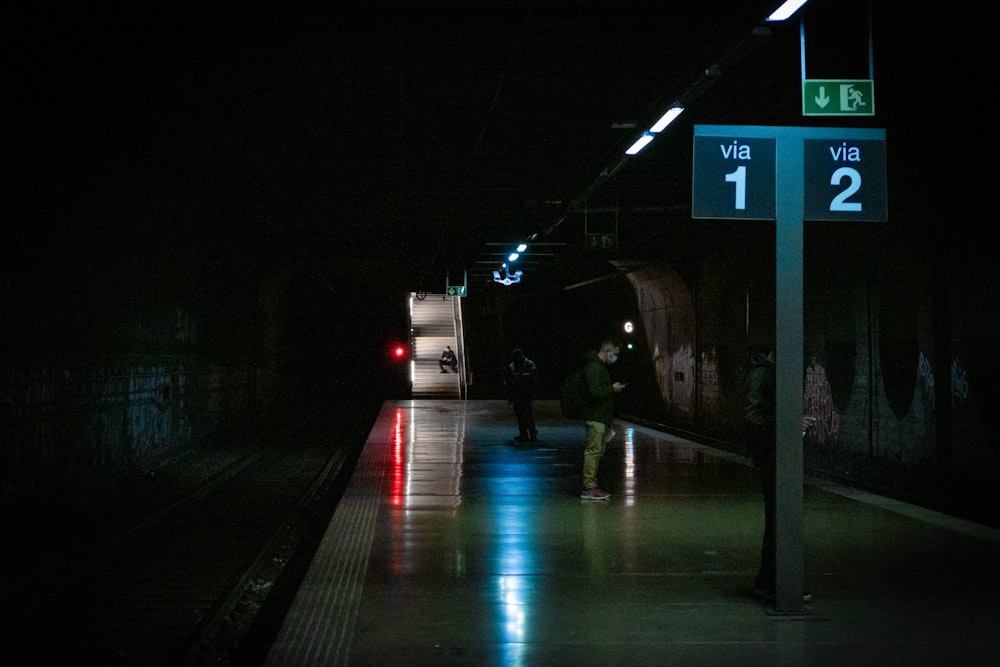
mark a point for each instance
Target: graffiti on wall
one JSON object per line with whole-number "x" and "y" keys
{"x": 662, "y": 365}
{"x": 682, "y": 378}
{"x": 817, "y": 401}
{"x": 59, "y": 422}
{"x": 708, "y": 380}
{"x": 926, "y": 374}
{"x": 959, "y": 378}
{"x": 959, "y": 381}
{"x": 147, "y": 408}
{"x": 675, "y": 375}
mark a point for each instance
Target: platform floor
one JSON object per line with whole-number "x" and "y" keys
{"x": 451, "y": 546}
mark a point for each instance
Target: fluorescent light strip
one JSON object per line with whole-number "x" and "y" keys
{"x": 786, "y": 10}
{"x": 640, "y": 143}
{"x": 667, "y": 118}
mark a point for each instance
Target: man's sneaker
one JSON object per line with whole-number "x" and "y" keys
{"x": 594, "y": 493}
{"x": 609, "y": 435}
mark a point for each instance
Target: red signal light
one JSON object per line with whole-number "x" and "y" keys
{"x": 399, "y": 352}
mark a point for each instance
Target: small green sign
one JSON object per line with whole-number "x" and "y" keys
{"x": 602, "y": 241}
{"x": 838, "y": 97}
{"x": 456, "y": 290}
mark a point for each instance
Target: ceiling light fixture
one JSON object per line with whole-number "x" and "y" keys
{"x": 786, "y": 10}
{"x": 672, "y": 113}
{"x": 507, "y": 278}
{"x": 640, "y": 143}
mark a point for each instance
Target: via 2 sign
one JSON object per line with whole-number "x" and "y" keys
{"x": 845, "y": 180}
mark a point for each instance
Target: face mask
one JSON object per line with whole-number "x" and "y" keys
{"x": 612, "y": 357}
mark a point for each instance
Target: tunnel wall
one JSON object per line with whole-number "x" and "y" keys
{"x": 76, "y": 426}
{"x": 115, "y": 378}
{"x": 892, "y": 355}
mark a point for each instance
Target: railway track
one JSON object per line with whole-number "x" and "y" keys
{"x": 173, "y": 573}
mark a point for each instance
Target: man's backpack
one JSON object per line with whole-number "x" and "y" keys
{"x": 573, "y": 395}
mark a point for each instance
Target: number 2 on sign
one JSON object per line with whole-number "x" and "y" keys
{"x": 840, "y": 202}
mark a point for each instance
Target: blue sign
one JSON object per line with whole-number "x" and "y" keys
{"x": 733, "y": 178}
{"x": 845, "y": 180}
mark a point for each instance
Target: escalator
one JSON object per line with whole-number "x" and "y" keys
{"x": 435, "y": 323}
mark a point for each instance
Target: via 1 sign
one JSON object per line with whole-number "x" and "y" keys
{"x": 733, "y": 178}
{"x": 841, "y": 172}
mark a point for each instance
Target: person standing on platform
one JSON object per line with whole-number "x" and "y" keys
{"x": 759, "y": 417}
{"x": 448, "y": 359}
{"x": 521, "y": 380}
{"x": 599, "y": 412}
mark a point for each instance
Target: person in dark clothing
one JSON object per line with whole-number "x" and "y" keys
{"x": 448, "y": 359}
{"x": 759, "y": 417}
{"x": 599, "y": 413}
{"x": 521, "y": 380}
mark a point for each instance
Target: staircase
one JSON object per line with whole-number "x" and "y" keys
{"x": 436, "y": 321}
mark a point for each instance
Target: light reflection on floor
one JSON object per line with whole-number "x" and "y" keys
{"x": 482, "y": 553}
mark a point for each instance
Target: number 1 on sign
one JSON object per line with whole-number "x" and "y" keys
{"x": 739, "y": 177}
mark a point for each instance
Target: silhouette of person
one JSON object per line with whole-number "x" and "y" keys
{"x": 521, "y": 381}
{"x": 599, "y": 413}
{"x": 759, "y": 415}
{"x": 448, "y": 359}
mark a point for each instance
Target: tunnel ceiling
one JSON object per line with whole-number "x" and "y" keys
{"x": 437, "y": 133}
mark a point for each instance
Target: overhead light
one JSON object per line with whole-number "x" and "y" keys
{"x": 512, "y": 257}
{"x": 522, "y": 247}
{"x": 786, "y": 10}
{"x": 640, "y": 143}
{"x": 667, "y": 118}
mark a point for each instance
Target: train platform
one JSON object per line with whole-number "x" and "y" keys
{"x": 454, "y": 545}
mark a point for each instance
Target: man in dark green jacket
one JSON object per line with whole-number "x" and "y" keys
{"x": 598, "y": 413}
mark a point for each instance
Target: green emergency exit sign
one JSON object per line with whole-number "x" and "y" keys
{"x": 838, "y": 97}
